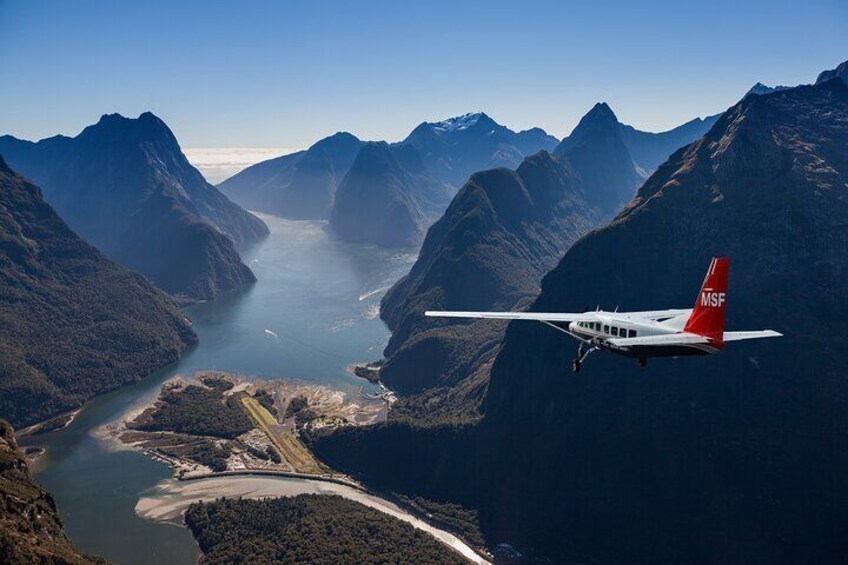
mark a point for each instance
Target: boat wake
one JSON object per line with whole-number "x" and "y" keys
{"x": 368, "y": 295}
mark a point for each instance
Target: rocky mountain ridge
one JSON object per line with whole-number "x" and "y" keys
{"x": 125, "y": 186}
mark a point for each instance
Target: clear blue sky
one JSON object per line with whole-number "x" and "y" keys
{"x": 284, "y": 74}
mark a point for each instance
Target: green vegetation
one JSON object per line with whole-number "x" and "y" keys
{"x": 461, "y": 521}
{"x": 198, "y": 411}
{"x": 309, "y": 529}
{"x": 303, "y": 414}
{"x": 202, "y": 450}
{"x": 266, "y": 399}
{"x": 273, "y": 455}
{"x": 30, "y": 528}
{"x": 72, "y": 323}
{"x": 217, "y": 384}
{"x": 297, "y": 404}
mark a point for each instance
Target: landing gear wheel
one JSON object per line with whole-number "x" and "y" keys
{"x": 643, "y": 362}
{"x": 575, "y": 366}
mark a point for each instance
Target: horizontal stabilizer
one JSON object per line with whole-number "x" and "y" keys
{"x": 737, "y": 336}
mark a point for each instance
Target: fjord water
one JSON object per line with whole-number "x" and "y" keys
{"x": 313, "y": 311}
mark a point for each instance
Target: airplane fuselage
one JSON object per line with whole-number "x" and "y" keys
{"x": 598, "y": 328}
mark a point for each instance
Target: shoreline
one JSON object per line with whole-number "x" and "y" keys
{"x": 327, "y": 478}
{"x": 280, "y": 431}
{"x": 51, "y": 424}
{"x": 170, "y": 498}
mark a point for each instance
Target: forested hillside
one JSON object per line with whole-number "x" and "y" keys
{"x": 309, "y": 529}
{"x": 73, "y": 324}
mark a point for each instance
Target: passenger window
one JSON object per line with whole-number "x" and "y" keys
{"x": 614, "y": 331}
{"x": 632, "y": 333}
{"x": 606, "y": 329}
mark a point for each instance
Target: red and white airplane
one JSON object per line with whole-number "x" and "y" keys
{"x": 656, "y": 333}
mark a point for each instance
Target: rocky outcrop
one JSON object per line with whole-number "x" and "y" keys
{"x": 30, "y": 528}
{"x": 841, "y": 72}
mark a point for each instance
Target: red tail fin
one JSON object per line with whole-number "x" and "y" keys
{"x": 707, "y": 317}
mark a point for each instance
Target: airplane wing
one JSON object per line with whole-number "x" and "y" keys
{"x": 736, "y": 336}
{"x": 663, "y": 339}
{"x": 533, "y": 316}
{"x": 656, "y": 314}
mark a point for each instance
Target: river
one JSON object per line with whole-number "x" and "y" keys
{"x": 313, "y": 311}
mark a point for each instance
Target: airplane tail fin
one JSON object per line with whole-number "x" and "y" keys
{"x": 707, "y": 318}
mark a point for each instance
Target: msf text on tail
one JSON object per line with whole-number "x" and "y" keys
{"x": 640, "y": 335}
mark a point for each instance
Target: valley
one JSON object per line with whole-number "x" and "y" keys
{"x": 249, "y": 357}
{"x": 308, "y": 298}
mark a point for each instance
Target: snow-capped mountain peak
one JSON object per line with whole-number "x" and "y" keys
{"x": 458, "y": 123}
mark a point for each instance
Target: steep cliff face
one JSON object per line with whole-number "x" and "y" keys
{"x": 300, "y": 186}
{"x": 126, "y": 187}
{"x": 598, "y": 154}
{"x": 72, "y": 323}
{"x": 30, "y": 528}
{"x": 489, "y": 250}
{"x": 387, "y": 198}
{"x": 734, "y": 458}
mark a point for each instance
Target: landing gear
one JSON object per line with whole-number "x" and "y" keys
{"x": 581, "y": 355}
{"x": 643, "y": 362}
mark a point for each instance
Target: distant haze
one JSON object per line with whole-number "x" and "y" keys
{"x": 220, "y": 163}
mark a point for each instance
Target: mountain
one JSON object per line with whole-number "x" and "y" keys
{"x": 31, "y": 530}
{"x": 455, "y": 148}
{"x": 839, "y": 72}
{"x": 301, "y": 185}
{"x": 125, "y": 186}
{"x": 489, "y": 250}
{"x": 734, "y": 458}
{"x": 649, "y": 150}
{"x": 72, "y": 323}
{"x": 388, "y": 197}
{"x": 761, "y": 88}
{"x": 598, "y": 154}
{"x": 501, "y": 234}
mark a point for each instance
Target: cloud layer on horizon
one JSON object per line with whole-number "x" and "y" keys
{"x": 217, "y": 164}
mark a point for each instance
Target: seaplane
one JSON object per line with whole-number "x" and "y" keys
{"x": 641, "y": 335}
